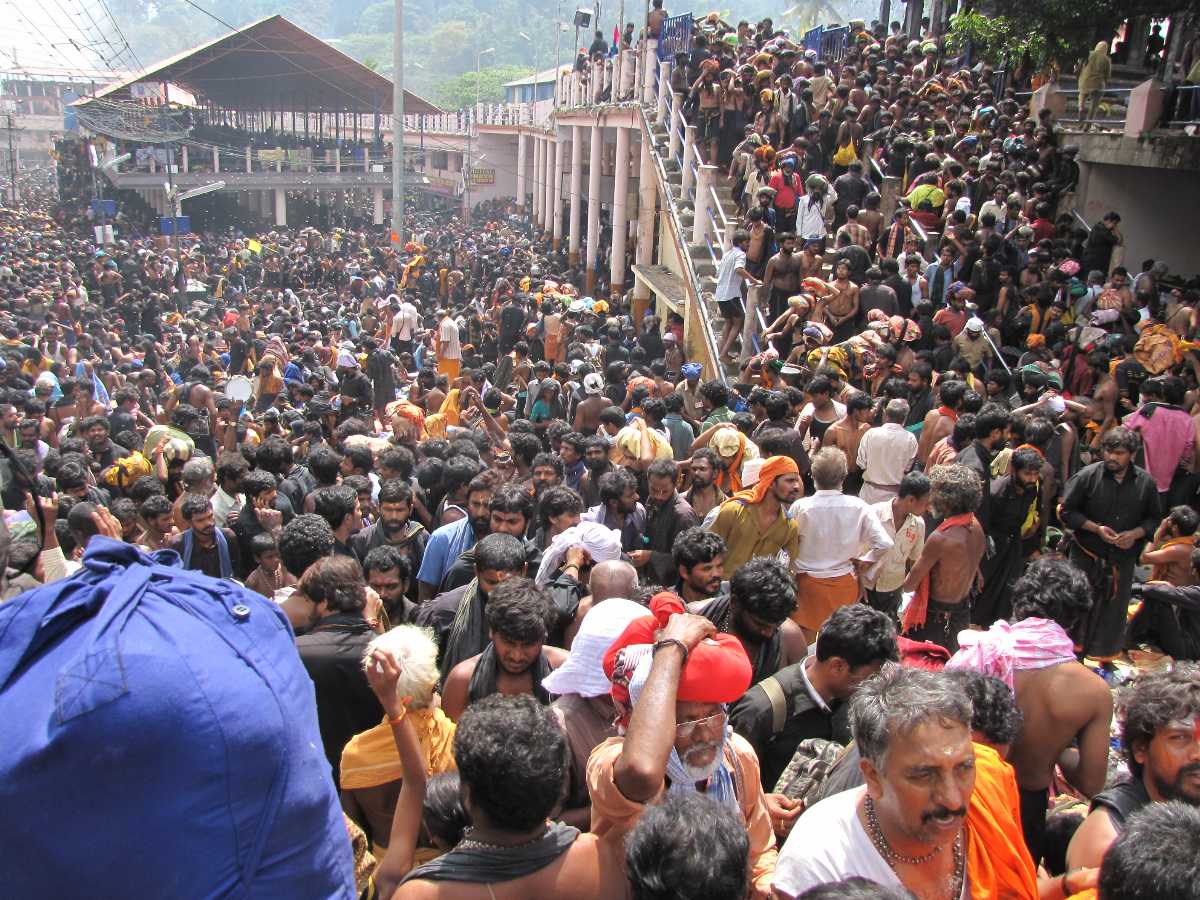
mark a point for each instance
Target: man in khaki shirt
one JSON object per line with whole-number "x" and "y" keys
{"x": 901, "y": 517}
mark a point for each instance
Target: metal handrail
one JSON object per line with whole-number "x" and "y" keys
{"x": 1081, "y": 220}
{"x": 692, "y": 277}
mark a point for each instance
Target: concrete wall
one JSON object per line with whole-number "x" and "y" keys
{"x": 1157, "y": 207}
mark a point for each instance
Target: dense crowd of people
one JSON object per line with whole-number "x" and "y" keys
{"x": 346, "y": 569}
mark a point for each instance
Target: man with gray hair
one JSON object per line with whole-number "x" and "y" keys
{"x": 199, "y": 478}
{"x": 927, "y": 819}
{"x": 885, "y": 453}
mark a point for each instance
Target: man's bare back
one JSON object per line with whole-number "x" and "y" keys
{"x": 951, "y": 559}
{"x": 1059, "y": 704}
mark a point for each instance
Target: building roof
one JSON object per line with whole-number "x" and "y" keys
{"x": 546, "y": 76}
{"x": 273, "y": 64}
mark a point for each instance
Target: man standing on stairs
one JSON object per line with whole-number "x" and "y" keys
{"x": 782, "y": 278}
{"x": 731, "y": 275}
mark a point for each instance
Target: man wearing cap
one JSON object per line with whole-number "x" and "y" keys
{"x": 587, "y": 411}
{"x": 673, "y": 675}
{"x": 972, "y": 346}
{"x": 584, "y": 705}
{"x": 754, "y": 522}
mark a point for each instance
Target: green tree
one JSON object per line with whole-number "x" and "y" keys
{"x": 460, "y": 92}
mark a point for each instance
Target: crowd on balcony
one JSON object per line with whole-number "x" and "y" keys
{"x": 343, "y": 564}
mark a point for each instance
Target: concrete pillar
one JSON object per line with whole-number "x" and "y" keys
{"x": 675, "y": 132}
{"x": 366, "y": 159}
{"x": 689, "y": 158}
{"x": 664, "y": 92}
{"x": 521, "y": 166}
{"x": 597, "y": 85}
{"x": 280, "y": 207}
{"x": 337, "y": 160}
{"x": 650, "y": 48}
{"x": 706, "y": 178}
{"x": 628, "y": 73}
{"x": 377, "y": 201}
{"x": 537, "y": 180}
{"x": 593, "y": 222}
{"x": 647, "y": 199}
{"x": 266, "y": 201}
{"x": 279, "y": 160}
{"x": 620, "y": 219}
{"x": 556, "y": 193}
{"x": 548, "y": 184}
{"x": 183, "y": 159}
{"x": 576, "y": 191}
{"x": 216, "y": 160}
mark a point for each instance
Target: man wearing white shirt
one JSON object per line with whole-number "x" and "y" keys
{"x": 449, "y": 351}
{"x": 901, "y": 518}
{"x": 886, "y": 453}
{"x": 838, "y": 535}
{"x": 731, "y": 274}
{"x": 404, "y": 324}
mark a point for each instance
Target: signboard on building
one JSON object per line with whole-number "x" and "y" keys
{"x": 483, "y": 176}
{"x": 180, "y": 225}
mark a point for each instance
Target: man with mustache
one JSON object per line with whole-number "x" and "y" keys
{"x": 667, "y": 516}
{"x": 395, "y": 527}
{"x": 673, "y": 675}
{"x": 935, "y": 816}
{"x": 1160, "y": 736}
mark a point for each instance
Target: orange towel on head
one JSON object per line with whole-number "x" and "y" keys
{"x": 772, "y": 468}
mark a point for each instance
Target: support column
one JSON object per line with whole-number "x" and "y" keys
{"x": 689, "y": 157}
{"x": 249, "y": 157}
{"x": 556, "y": 192}
{"x": 548, "y": 185}
{"x": 620, "y": 218}
{"x": 521, "y": 165}
{"x": 664, "y": 91}
{"x": 651, "y": 51}
{"x": 281, "y": 207}
{"x": 706, "y": 178}
{"x": 266, "y": 201}
{"x": 337, "y": 159}
{"x": 674, "y": 133}
{"x": 593, "y": 222}
{"x": 576, "y": 191}
{"x": 216, "y": 160}
{"x": 628, "y": 73}
{"x": 597, "y": 85}
{"x": 183, "y": 159}
{"x": 537, "y": 180}
{"x": 377, "y": 200}
{"x": 647, "y": 199}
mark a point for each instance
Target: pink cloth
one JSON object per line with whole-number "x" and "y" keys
{"x": 1169, "y": 435}
{"x": 1004, "y": 649}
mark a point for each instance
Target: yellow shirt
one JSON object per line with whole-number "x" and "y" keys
{"x": 738, "y": 524}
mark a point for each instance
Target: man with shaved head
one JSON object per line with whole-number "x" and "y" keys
{"x": 614, "y": 578}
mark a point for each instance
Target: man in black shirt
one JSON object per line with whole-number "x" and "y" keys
{"x": 203, "y": 546}
{"x": 1113, "y": 507}
{"x": 799, "y": 701}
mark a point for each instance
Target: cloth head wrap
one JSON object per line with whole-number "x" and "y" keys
{"x": 691, "y": 371}
{"x": 583, "y": 672}
{"x": 602, "y": 544}
{"x": 772, "y": 468}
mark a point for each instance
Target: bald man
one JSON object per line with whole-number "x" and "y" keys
{"x": 615, "y": 578}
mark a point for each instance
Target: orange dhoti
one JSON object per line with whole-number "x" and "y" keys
{"x": 449, "y": 368}
{"x": 817, "y": 598}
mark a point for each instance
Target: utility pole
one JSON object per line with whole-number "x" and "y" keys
{"x": 398, "y": 124}
{"x": 12, "y": 161}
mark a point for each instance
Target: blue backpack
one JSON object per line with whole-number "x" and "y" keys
{"x": 160, "y": 740}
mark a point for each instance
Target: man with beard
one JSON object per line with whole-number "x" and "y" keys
{"x": 545, "y": 472}
{"x": 672, "y": 673}
{"x": 202, "y": 545}
{"x": 340, "y": 507}
{"x": 667, "y": 515}
{"x": 258, "y": 514}
{"x": 762, "y": 594}
{"x": 458, "y": 617}
{"x": 510, "y": 512}
{"x": 395, "y": 527}
{"x": 516, "y": 660}
{"x": 619, "y": 509}
{"x": 1113, "y": 507}
{"x": 754, "y": 522}
{"x": 388, "y": 574}
{"x": 782, "y": 277}
{"x": 448, "y": 543}
{"x": 1160, "y": 737}
{"x": 703, "y": 494}
{"x": 699, "y": 558}
{"x": 1015, "y": 510}
{"x": 595, "y": 458}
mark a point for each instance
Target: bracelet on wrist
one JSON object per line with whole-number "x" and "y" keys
{"x": 668, "y": 642}
{"x": 396, "y": 720}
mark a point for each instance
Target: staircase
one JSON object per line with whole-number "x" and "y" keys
{"x": 703, "y": 257}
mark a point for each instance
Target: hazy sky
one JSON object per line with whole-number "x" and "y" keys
{"x": 59, "y": 33}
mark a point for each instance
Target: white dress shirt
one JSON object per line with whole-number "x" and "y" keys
{"x": 908, "y": 540}
{"x": 885, "y": 454}
{"x": 836, "y": 528}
